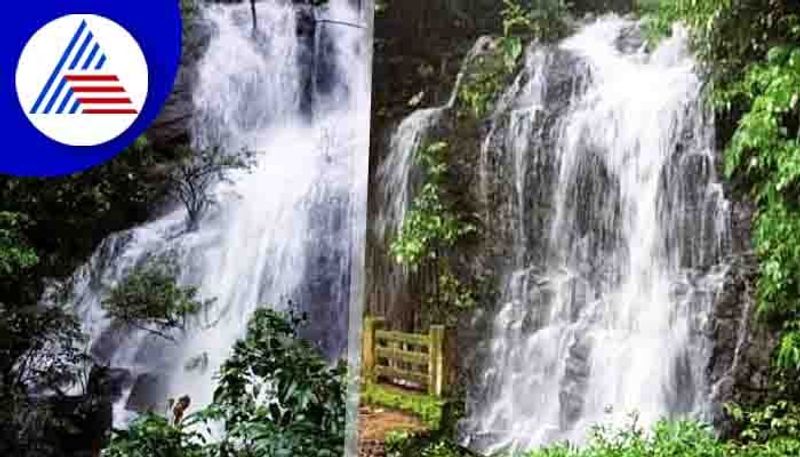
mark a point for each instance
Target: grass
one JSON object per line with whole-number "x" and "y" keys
{"x": 425, "y": 407}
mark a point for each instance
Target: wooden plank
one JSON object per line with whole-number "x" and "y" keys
{"x": 398, "y": 374}
{"x": 404, "y": 356}
{"x": 371, "y": 324}
{"x": 411, "y": 338}
{"x": 436, "y": 367}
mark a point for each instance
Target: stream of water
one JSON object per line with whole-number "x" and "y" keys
{"x": 619, "y": 230}
{"x": 287, "y": 230}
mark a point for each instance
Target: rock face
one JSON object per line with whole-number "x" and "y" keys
{"x": 743, "y": 345}
{"x": 172, "y": 126}
{"x": 88, "y": 417}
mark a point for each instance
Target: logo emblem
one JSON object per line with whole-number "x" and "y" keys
{"x": 82, "y": 80}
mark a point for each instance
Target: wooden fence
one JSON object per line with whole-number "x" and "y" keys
{"x": 406, "y": 359}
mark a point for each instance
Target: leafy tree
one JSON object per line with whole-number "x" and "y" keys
{"x": 276, "y": 397}
{"x": 41, "y": 354}
{"x": 430, "y": 229}
{"x": 65, "y": 220}
{"x": 15, "y": 254}
{"x": 150, "y": 299}
{"x": 430, "y": 226}
{"x": 192, "y": 178}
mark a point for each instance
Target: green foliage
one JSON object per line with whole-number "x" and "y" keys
{"x": 276, "y": 397}
{"x": 777, "y": 420}
{"x": 480, "y": 87}
{"x": 751, "y": 54}
{"x": 728, "y": 35}
{"x": 394, "y": 441}
{"x": 46, "y": 231}
{"x": 512, "y": 50}
{"x": 192, "y": 177}
{"x": 442, "y": 449}
{"x": 15, "y": 253}
{"x": 430, "y": 226}
{"x": 66, "y": 218}
{"x": 774, "y": 448}
{"x": 151, "y": 435}
{"x": 543, "y": 20}
{"x": 788, "y": 356}
{"x": 426, "y": 445}
{"x": 667, "y": 439}
{"x": 456, "y": 295}
{"x": 150, "y": 298}
{"x": 765, "y": 149}
{"x": 188, "y": 8}
{"x": 40, "y": 351}
{"x": 427, "y": 408}
{"x": 523, "y": 21}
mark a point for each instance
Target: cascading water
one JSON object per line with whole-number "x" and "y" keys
{"x": 398, "y": 177}
{"x": 396, "y": 170}
{"x": 288, "y": 229}
{"x": 618, "y": 233}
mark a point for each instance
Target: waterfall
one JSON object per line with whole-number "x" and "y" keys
{"x": 397, "y": 178}
{"x": 616, "y": 230}
{"x": 286, "y": 230}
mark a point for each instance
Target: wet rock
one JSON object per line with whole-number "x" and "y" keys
{"x": 576, "y": 373}
{"x": 630, "y": 40}
{"x": 743, "y": 346}
{"x": 172, "y": 126}
{"x": 146, "y": 394}
{"x": 83, "y": 421}
{"x": 118, "y": 380}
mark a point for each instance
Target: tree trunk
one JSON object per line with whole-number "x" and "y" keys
{"x": 253, "y": 11}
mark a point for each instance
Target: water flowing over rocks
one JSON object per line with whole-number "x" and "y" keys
{"x": 282, "y": 234}
{"x": 622, "y": 269}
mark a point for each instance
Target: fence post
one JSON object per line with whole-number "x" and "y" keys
{"x": 368, "y": 347}
{"x": 436, "y": 361}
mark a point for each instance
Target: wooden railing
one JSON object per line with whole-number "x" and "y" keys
{"x": 406, "y": 359}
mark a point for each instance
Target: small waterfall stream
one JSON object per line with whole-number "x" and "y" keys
{"x": 618, "y": 230}
{"x": 286, "y": 230}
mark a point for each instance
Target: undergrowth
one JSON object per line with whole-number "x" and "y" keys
{"x": 425, "y": 407}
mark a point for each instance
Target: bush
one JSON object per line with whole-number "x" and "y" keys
{"x": 151, "y": 299}
{"x": 667, "y": 439}
{"x": 276, "y": 397}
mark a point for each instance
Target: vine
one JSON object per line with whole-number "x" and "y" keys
{"x": 537, "y": 20}
{"x": 431, "y": 227}
{"x": 487, "y": 75}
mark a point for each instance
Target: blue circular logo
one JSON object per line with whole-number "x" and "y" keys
{"x": 88, "y": 78}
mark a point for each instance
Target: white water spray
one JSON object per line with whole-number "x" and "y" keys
{"x": 619, "y": 230}
{"x": 285, "y": 230}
